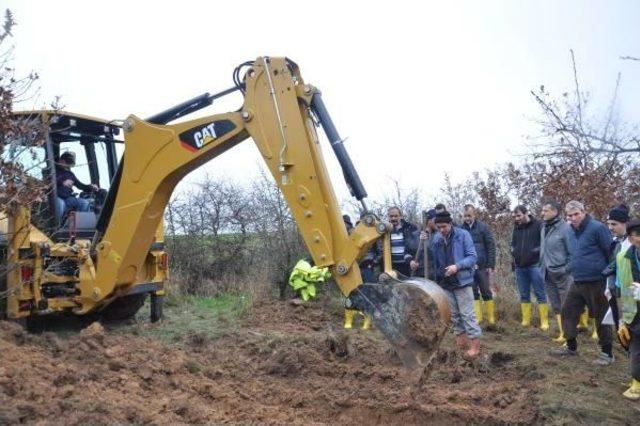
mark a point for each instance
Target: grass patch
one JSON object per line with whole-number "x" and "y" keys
{"x": 189, "y": 315}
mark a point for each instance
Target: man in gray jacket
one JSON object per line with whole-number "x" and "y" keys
{"x": 555, "y": 258}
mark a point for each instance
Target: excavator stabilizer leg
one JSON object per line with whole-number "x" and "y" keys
{"x": 412, "y": 313}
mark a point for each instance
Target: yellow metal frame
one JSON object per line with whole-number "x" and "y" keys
{"x": 276, "y": 116}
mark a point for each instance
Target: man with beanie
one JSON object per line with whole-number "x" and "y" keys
{"x": 453, "y": 261}
{"x": 617, "y": 224}
{"x": 590, "y": 244}
{"x": 628, "y": 279}
{"x": 555, "y": 258}
{"x": 486, "y": 252}
{"x": 401, "y": 241}
{"x": 525, "y": 248}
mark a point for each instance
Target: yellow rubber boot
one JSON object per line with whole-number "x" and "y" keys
{"x": 366, "y": 323}
{"x": 526, "y": 314}
{"x": 634, "y": 391}
{"x": 583, "y": 323}
{"x": 560, "y": 338}
{"x": 348, "y": 318}
{"x": 543, "y": 311}
{"x": 477, "y": 307}
{"x": 594, "y": 333}
{"x": 491, "y": 311}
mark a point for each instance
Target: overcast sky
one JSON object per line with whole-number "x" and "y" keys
{"x": 419, "y": 90}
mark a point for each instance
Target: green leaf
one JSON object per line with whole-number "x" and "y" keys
{"x": 298, "y": 284}
{"x": 304, "y": 294}
{"x": 312, "y": 290}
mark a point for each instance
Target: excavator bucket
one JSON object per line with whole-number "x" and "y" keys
{"x": 412, "y": 313}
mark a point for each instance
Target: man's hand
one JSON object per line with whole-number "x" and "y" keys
{"x": 450, "y": 270}
{"x": 68, "y": 183}
{"x": 424, "y": 236}
{"x": 414, "y": 265}
{"x": 623, "y": 333}
{"x": 94, "y": 187}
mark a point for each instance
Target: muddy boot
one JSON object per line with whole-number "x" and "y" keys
{"x": 526, "y": 314}
{"x": 348, "y": 318}
{"x": 543, "y": 311}
{"x": 568, "y": 350}
{"x": 477, "y": 307}
{"x": 560, "y": 339}
{"x": 474, "y": 350}
{"x": 634, "y": 391}
{"x": 491, "y": 311}
{"x": 366, "y": 323}
{"x": 462, "y": 341}
{"x": 583, "y": 323}
{"x": 594, "y": 333}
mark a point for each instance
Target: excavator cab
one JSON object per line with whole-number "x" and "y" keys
{"x": 96, "y": 147}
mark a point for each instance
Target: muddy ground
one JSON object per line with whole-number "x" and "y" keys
{"x": 288, "y": 364}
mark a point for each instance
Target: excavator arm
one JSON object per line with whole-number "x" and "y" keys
{"x": 279, "y": 114}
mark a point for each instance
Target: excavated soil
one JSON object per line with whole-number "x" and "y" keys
{"x": 288, "y": 364}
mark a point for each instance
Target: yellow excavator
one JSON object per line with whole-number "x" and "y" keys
{"x": 107, "y": 260}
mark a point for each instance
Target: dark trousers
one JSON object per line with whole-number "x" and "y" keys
{"x": 482, "y": 285}
{"x": 403, "y": 268}
{"x": 590, "y": 294}
{"x": 634, "y": 347}
{"x": 368, "y": 273}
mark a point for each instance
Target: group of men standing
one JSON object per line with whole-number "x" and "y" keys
{"x": 570, "y": 261}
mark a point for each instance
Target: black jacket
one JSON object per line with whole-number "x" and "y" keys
{"x": 411, "y": 243}
{"x": 63, "y": 191}
{"x": 525, "y": 243}
{"x": 484, "y": 243}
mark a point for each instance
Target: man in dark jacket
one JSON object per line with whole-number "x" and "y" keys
{"x": 617, "y": 224}
{"x": 590, "y": 246}
{"x": 401, "y": 241}
{"x": 486, "y": 252}
{"x": 555, "y": 258}
{"x": 65, "y": 181}
{"x": 525, "y": 248}
{"x": 422, "y": 238}
{"x": 453, "y": 261}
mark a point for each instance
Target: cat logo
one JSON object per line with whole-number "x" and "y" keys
{"x": 207, "y": 134}
{"x": 197, "y": 137}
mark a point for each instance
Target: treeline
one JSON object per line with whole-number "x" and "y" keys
{"x": 222, "y": 232}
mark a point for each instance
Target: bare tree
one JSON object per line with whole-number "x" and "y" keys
{"x": 567, "y": 127}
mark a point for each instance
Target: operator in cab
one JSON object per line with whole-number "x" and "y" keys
{"x": 65, "y": 181}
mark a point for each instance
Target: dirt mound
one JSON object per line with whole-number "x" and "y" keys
{"x": 289, "y": 364}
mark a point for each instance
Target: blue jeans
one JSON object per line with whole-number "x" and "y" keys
{"x": 72, "y": 203}
{"x": 368, "y": 274}
{"x": 526, "y": 278}
{"x": 463, "y": 317}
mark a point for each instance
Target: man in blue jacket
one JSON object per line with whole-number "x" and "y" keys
{"x": 453, "y": 262}
{"x": 590, "y": 243}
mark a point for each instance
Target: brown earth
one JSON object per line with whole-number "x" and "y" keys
{"x": 287, "y": 364}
